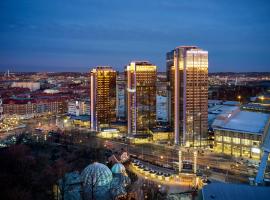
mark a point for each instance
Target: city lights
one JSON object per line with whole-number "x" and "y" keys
{"x": 133, "y": 100}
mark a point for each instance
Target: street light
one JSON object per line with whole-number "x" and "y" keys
{"x": 239, "y": 97}
{"x": 261, "y": 98}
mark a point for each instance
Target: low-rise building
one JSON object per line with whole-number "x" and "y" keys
{"x": 79, "y": 107}
{"x": 32, "y": 86}
{"x": 32, "y": 107}
{"x": 161, "y": 134}
{"x": 240, "y": 133}
{"x": 109, "y": 133}
{"x": 257, "y": 107}
{"x": 81, "y": 120}
{"x": 140, "y": 138}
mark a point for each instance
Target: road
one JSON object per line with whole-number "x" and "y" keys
{"x": 158, "y": 154}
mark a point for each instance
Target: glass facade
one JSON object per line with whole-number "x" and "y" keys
{"x": 237, "y": 144}
{"x": 103, "y": 96}
{"x": 141, "y": 96}
{"x": 188, "y": 92}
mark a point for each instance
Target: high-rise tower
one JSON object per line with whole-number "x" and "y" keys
{"x": 141, "y": 96}
{"x": 187, "y": 72}
{"x": 102, "y": 96}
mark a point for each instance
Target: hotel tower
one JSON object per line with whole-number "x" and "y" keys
{"x": 187, "y": 72}
{"x": 141, "y": 96}
{"x": 102, "y": 96}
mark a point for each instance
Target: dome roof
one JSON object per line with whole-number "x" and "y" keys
{"x": 96, "y": 174}
{"x": 118, "y": 168}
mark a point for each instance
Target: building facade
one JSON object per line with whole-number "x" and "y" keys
{"x": 28, "y": 108}
{"x": 120, "y": 97}
{"x": 187, "y": 72}
{"x": 240, "y": 133}
{"x": 162, "y": 99}
{"x": 141, "y": 96}
{"x": 102, "y": 96}
{"x": 32, "y": 86}
{"x": 78, "y": 108}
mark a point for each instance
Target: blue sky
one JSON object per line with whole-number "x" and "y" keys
{"x": 76, "y": 35}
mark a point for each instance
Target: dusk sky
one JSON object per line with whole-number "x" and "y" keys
{"x": 75, "y": 35}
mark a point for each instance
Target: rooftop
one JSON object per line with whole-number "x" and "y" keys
{"x": 223, "y": 191}
{"x": 218, "y": 109}
{"x": 242, "y": 121}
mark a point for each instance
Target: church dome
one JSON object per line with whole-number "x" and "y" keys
{"x": 96, "y": 174}
{"x": 118, "y": 168}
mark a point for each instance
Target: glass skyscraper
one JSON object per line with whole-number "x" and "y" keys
{"x": 102, "y": 96}
{"x": 187, "y": 72}
{"x": 141, "y": 96}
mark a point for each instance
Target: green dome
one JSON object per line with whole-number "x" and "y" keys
{"x": 96, "y": 174}
{"x": 118, "y": 168}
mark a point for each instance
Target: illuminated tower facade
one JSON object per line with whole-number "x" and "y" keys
{"x": 187, "y": 72}
{"x": 141, "y": 96}
{"x": 102, "y": 96}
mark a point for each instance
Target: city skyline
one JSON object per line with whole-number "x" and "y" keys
{"x": 134, "y": 100}
{"x": 71, "y": 36}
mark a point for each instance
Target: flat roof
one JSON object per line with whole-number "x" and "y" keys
{"x": 231, "y": 103}
{"x": 224, "y": 191}
{"x": 217, "y": 109}
{"x": 243, "y": 121}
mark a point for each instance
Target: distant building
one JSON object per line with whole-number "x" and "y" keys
{"x": 187, "y": 73}
{"x": 79, "y": 108}
{"x": 102, "y": 96}
{"x": 141, "y": 96}
{"x": 120, "y": 97}
{"x": 32, "y": 107}
{"x": 81, "y": 120}
{"x": 240, "y": 133}
{"x": 51, "y": 91}
{"x": 162, "y": 108}
{"x": 162, "y": 103}
{"x": 32, "y": 86}
{"x": 161, "y": 134}
{"x": 258, "y": 107}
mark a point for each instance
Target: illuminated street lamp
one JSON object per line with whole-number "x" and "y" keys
{"x": 239, "y": 97}
{"x": 261, "y": 98}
